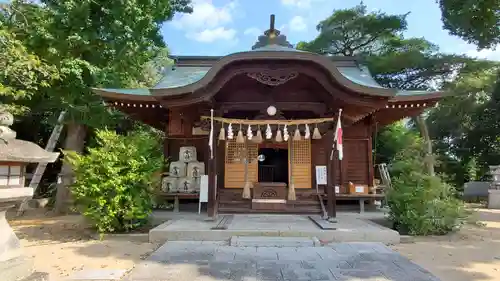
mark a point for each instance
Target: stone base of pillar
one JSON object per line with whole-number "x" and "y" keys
{"x": 14, "y": 266}
{"x": 494, "y": 199}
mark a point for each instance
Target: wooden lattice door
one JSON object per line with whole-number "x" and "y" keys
{"x": 300, "y": 164}
{"x": 234, "y": 165}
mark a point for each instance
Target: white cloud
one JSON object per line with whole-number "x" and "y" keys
{"x": 297, "y": 23}
{"x": 211, "y": 35}
{"x": 252, "y": 31}
{"x": 297, "y": 3}
{"x": 207, "y": 22}
{"x": 485, "y": 54}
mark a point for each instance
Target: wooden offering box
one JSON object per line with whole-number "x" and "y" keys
{"x": 358, "y": 189}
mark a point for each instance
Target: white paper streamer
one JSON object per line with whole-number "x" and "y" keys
{"x": 230, "y": 133}
{"x": 249, "y": 132}
{"x": 307, "y": 134}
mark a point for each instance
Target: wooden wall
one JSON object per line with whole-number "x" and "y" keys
{"x": 356, "y": 165}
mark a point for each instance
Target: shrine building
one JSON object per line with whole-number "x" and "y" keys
{"x": 271, "y": 113}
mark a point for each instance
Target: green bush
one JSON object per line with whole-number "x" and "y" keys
{"x": 114, "y": 179}
{"x": 421, "y": 204}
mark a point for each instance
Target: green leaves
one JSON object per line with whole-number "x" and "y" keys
{"x": 354, "y": 31}
{"x": 92, "y": 43}
{"x": 114, "y": 180}
{"x": 421, "y": 204}
{"x": 476, "y": 21}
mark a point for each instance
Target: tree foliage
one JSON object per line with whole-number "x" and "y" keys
{"x": 114, "y": 179}
{"x": 476, "y": 21}
{"x": 92, "y": 44}
{"x": 420, "y": 204}
{"x": 354, "y": 31}
{"x": 23, "y": 73}
{"x": 460, "y": 121}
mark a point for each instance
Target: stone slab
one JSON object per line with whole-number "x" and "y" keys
{"x": 16, "y": 268}
{"x": 97, "y": 275}
{"x": 324, "y": 224}
{"x": 348, "y": 229}
{"x": 180, "y": 261}
{"x": 493, "y": 199}
{"x": 262, "y": 241}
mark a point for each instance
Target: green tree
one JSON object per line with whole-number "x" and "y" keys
{"x": 114, "y": 179}
{"x": 23, "y": 74}
{"x": 476, "y": 21}
{"x": 93, "y": 44}
{"x": 454, "y": 124}
{"x": 354, "y": 31}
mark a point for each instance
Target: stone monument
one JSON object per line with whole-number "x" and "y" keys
{"x": 14, "y": 156}
{"x": 494, "y": 191}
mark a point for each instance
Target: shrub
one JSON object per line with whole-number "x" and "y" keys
{"x": 114, "y": 179}
{"x": 421, "y": 204}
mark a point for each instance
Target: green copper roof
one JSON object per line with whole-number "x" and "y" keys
{"x": 182, "y": 76}
{"x": 275, "y": 48}
{"x": 412, "y": 93}
{"x": 139, "y": 92}
{"x": 359, "y": 75}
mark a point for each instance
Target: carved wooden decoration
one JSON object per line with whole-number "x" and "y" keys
{"x": 273, "y": 77}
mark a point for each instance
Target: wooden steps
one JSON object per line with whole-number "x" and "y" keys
{"x": 231, "y": 202}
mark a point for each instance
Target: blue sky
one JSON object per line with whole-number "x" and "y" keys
{"x": 220, "y": 27}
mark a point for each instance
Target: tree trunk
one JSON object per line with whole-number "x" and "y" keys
{"x": 424, "y": 132}
{"x": 74, "y": 141}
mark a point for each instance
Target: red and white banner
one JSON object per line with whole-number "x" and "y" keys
{"x": 338, "y": 137}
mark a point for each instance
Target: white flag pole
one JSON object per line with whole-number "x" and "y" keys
{"x": 211, "y": 136}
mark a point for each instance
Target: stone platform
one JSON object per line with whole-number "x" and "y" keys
{"x": 211, "y": 261}
{"x": 348, "y": 229}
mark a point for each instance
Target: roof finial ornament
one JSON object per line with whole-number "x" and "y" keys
{"x": 272, "y": 32}
{"x": 272, "y": 36}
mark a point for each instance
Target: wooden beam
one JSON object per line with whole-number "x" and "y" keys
{"x": 316, "y": 107}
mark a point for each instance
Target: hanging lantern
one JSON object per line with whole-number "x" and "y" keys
{"x": 230, "y": 133}
{"x": 269, "y": 132}
{"x": 249, "y": 133}
{"x": 285, "y": 133}
{"x": 316, "y": 134}
{"x": 297, "y": 136}
{"x": 307, "y": 134}
{"x": 279, "y": 138}
{"x": 239, "y": 137}
{"x": 222, "y": 133}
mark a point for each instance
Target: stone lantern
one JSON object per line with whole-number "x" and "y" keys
{"x": 14, "y": 156}
{"x": 494, "y": 191}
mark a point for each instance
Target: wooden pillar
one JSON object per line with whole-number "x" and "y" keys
{"x": 212, "y": 205}
{"x": 371, "y": 172}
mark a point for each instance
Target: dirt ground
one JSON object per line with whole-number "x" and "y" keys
{"x": 473, "y": 254}
{"x": 62, "y": 245}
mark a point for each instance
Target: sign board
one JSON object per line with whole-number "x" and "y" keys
{"x": 204, "y": 189}
{"x": 337, "y": 189}
{"x": 321, "y": 175}
{"x": 360, "y": 189}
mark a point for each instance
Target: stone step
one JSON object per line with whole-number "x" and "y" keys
{"x": 266, "y": 241}
{"x": 16, "y": 268}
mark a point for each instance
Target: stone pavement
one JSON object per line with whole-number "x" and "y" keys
{"x": 210, "y": 261}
